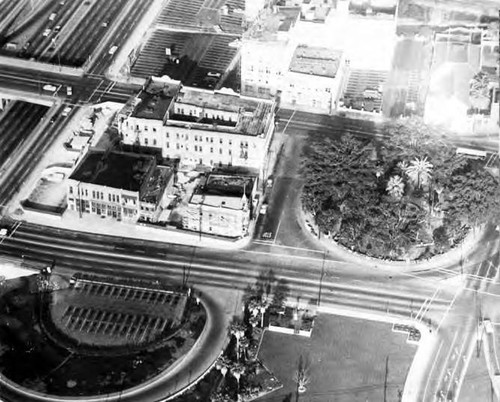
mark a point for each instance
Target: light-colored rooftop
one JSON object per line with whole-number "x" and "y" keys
{"x": 253, "y": 115}
{"x": 319, "y": 61}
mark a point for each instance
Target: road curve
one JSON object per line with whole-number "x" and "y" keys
{"x": 183, "y": 373}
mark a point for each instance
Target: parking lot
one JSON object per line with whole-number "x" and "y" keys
{"x": 66, "y": 32}
{"x": 110, "y": 314}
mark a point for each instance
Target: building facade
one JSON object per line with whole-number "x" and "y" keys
{"x": 266, "y": 52}
{"x": 315, "y": 80}
{"x": 118, "y": 185}
{"x": 222, "y": 205}
{"x": 200, "y": 127}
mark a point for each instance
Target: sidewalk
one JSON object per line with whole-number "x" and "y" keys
{"x": 93, "y": 224}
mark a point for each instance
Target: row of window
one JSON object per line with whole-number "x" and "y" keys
{"x": 197, "y": 148}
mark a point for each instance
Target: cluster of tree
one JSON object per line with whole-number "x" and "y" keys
{"x": 383, "y": 199}
{"x": 240, "y": 357}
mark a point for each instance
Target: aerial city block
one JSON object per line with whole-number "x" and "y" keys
{"x": 249, "y": 200}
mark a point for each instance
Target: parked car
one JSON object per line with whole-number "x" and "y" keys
{"x": 3, "y": 232}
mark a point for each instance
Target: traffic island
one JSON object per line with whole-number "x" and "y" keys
{"x": 88, "y": 336}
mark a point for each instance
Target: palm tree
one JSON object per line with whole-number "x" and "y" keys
{"x": 301, "y": 377}
{"x": 237, "y": 370}
{"x": 395, "y": 187}
{"x": 419, "y": 171}
{"x": 244, "y": 344}
{"x": 222, "y": 364}
{"x": 238, "y": 330}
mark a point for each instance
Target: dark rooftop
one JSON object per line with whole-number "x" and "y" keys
{"x": 126, "y": 171}
{"x": 228, "y": 185}
{"x": 155, "y": 184}
{"x": 154, "y": 100}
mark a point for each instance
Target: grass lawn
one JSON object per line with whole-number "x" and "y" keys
{"x": 347, "y": 361}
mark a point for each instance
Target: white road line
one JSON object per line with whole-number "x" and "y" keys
{"x": 432, "y": 369}
{"x": 441, "y": 375}
{"x": 449, "y": 308}
{"x": 277, "y": 231}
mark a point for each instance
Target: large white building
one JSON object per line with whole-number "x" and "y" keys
{"x": 200, "y": 127}
{"x": 266, "y": 52}
{"x": 315, "y": 80}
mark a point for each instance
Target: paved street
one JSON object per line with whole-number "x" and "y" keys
{"x": 449, "y": 296}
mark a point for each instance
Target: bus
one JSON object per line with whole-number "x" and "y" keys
{"x": 472, "y": 153}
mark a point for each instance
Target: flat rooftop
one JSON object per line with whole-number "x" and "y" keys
{"x": 120, "y": 170}
{"x": 280, "y": 21}
{"x": 155, "y": 184}
{"x": 318, "y": 61}
{"x": 155, "y": 99}
{"x": 253, "y": 115}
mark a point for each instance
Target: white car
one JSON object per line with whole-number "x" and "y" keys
{"x": 47, "y": 32}
{"x": 3, "y": 232}
{"x": 66, "y": 111}
{"x": 263, "y": 209}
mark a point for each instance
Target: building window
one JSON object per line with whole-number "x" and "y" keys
{"x": 196, "y": 148}
{"x": 117, "y": 198}
{"x": 201, "y": 161}
{"x": 86, "y": 193}
{"x": 145, "y": 128}
{"x": 71, "y": 189}
{"x": 167, "y": 135}
{"x": 196, "y": 138}
{"x": 211, "y": 140}
{"x": 93, "y": 194}
{"x": 220, "y": 140}
{"x": 145, "y": 141}
{"x": 154, "y": 130}
{"x": 206, "y": 139}
{"x": 211, "y": 150}
{"x": 220, "y": 151}
{"x": 177, "y": 135}
{"x": 201, "y": 149}
{"x": 109, "y": 197}
{"x": 168, "y": 145}
{"x": 229, "y": 152}
{"x": 177, "y": 146}
{"x": 187, "y": 147}
{"x": 154, "y": 141}
{"x": 230, "y": 142}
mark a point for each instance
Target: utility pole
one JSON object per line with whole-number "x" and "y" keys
{"x": 385, "y": 377}
{"x": 321, "y": 278}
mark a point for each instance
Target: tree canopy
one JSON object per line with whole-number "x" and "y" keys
{"x": 408, "y": 196}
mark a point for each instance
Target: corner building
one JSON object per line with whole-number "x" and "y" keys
{"x": 200, "y": 127}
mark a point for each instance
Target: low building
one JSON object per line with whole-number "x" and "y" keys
{"x": 119, "y": 185}
{"x": 315, "y": 80}
{"x": 221, "y": 205}
{"x": 200, "y": 127}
